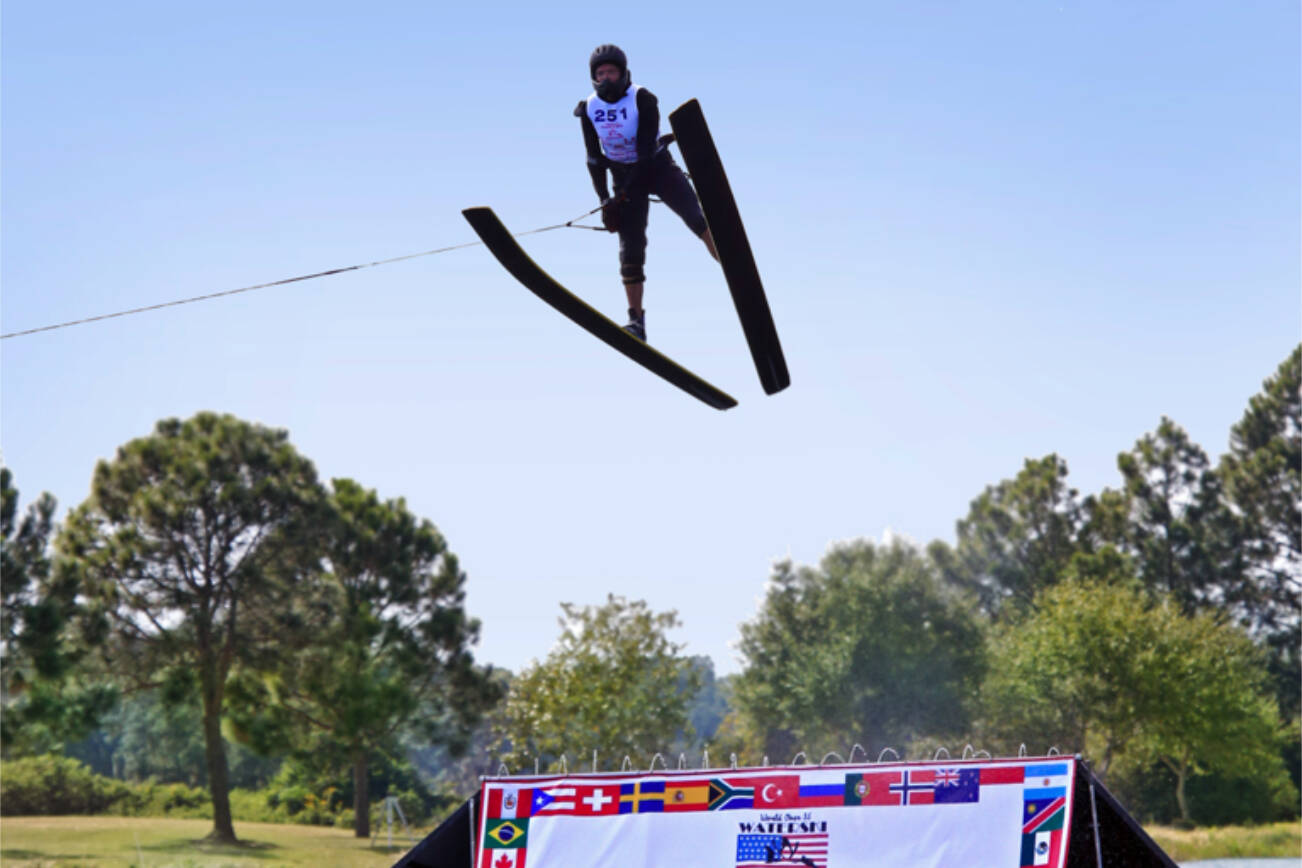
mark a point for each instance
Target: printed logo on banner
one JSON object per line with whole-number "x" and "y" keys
{"x": 807, "y": 845}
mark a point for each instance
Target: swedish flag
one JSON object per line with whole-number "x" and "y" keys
{"x": 642, "y": 797}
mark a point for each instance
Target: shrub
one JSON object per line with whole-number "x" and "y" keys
{"x": 152, "y": 799}
{"x": 53, "y": 784}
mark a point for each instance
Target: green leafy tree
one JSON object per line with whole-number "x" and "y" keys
{"x": 150, "y": 736}
{"x": 1178, "y": 529}
{"x": 871, "y": 645}
{"x": 45, "y": 702}
{"x": 1105, "y": 667}
{"x": 1017, "y": 537}
{"x": 614, "y": 683}
{"x": 389, "y": 650}
{"x": 1262, "y": 473}
{"x": 183, "y": 548}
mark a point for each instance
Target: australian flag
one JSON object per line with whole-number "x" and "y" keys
{"x": 957, "y": 785}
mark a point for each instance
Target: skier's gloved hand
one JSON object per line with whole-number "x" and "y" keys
{"x": 610, "y": 213}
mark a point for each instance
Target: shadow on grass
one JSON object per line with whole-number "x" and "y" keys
{"x": 9, "y": 853}
{"x": 246, "y": 849}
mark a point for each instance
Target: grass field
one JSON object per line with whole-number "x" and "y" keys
{"x": 118, "y": 842}
{"x": 1274, "y": 841}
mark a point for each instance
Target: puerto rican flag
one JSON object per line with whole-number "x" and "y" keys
{"x": 555, "y": 800}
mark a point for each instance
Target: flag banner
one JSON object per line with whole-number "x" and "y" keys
{"x": 997, "y": 813}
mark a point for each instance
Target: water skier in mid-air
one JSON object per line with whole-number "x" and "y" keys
{"x": 621, "y": 131}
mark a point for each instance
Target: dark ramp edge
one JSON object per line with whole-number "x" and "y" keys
{"x": 513, "y": 258}
{"x": 739, "y": 269}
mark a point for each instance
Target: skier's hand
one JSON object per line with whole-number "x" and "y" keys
{"x": 610, "y": 213}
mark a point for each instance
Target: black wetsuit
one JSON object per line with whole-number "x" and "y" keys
{"x": 654, "y": 172}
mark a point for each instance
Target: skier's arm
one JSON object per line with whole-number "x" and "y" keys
{"x": 648, "y": 123}
{"x": 596, "y": 160}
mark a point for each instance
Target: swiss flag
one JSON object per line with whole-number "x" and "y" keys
{"x": 776, "y": 791}
{"x": 501, "y": 858}
{"x": 591, "y": 801}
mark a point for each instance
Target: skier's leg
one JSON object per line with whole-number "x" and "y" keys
{"x": 673, "y": 187}
{"x": 632, "y": 258}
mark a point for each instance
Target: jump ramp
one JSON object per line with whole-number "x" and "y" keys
{"x": 1002, "y": 813}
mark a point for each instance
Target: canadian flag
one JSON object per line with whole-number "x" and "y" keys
{"x": 501, "y": 858}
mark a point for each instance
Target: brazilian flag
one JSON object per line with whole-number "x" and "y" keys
{"x": 506, "y": 834}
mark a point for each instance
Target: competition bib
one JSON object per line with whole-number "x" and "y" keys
{"x": 616, "y": 125}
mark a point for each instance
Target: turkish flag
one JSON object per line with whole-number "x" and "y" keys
{"x": 602, "y": 799}
{"x": 776, "y": 791}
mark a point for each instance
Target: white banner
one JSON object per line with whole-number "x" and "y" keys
{"x": 1002, "y": 814}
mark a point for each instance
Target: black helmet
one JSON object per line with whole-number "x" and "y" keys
{"x": 609, "y": 91}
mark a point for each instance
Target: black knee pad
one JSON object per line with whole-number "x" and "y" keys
{"x": 632, "y": 274}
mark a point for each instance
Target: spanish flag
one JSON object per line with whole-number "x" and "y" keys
{"x": 687, "y": 796}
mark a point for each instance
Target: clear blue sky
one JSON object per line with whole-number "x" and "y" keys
{"x": 989, "y": 231}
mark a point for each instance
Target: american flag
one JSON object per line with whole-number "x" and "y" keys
{"x": 759, "y": 851}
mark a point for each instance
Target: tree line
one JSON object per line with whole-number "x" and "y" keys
{"x": 1153, "y": 627}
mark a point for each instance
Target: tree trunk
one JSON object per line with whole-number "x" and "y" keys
{"x": 361, "y": 796}
{"x": 223, "y": 829}
{"x": 1180, "y": 775}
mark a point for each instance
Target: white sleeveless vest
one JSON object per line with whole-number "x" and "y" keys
{"x": 616, "y": 125}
